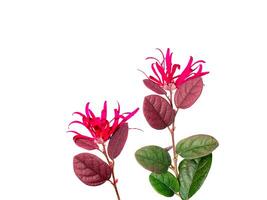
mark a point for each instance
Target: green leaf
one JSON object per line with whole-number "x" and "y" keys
{"x": 196, "y": 146}
{"x": 165, "y": 184}
{"x": 192, "y": 175}
{"x": 153, "y": 158}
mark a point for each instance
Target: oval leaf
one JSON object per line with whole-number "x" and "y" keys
{"x": 85, "y": 142}
{"x": 117, "y": 141}
{"x": 192, "y": 175}
{"x": 166, "y": 184}
{"x": 187, "y": 94}
{"x": 153, "y": 158}
{"x": 196, "y": 146}
{"x": 158, "y": 112}
{"x": 90, "y": 169}
{"x": 154, "y": 87}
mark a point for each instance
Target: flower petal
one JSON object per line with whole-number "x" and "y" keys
{"x": 130, "y": 115}
{"x": 89, "y": 112}
{"x": 152, "y": 58}
{"x": 155, "y": 80}
{"x": 116, "y": 121}
{"x": 142, "y": 72}
{"x": 168, "y": 61}
{"x": 73, "y": 132}
{"x": 119, "y": 108}
{"x": 163, "y": 57}
{"x": 104, "y": 112}
{"x": 77, "y": 122}
{"x": 155, "y": 72}
{"x": 174, "y": 68}
{"x": 79, "y": 136}
{"x": 161, "y": 71}
{"x": 79, "y": 113}
{"x": 87, "y": 127}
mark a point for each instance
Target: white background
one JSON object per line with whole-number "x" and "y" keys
{"x": 57, "y": 55}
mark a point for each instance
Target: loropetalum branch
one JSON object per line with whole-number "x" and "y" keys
{"x": 181, "y": 90}
{"x": 89, "y": 168}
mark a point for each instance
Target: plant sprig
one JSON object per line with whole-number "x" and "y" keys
{"x": 184, "y": 170}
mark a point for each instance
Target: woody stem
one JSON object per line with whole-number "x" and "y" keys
{"x": 111, "y": 164}
{"x": 175, "y": 160}
{"x": 175, "y": 157}
{"x": 115, "y": 183}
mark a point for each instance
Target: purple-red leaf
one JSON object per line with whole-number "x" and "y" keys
{"x": 158, "y": 112}
{"x": 154, "y": 87}
{"x": 117, "y": 141}
{"x": 187, "y": 94}
{"x": 85, "y": 143}
{"x": 90, "y": 169}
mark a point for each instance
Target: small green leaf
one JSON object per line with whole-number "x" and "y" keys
{"x": 192, "y": 175}
{"x": 165, "y": 184}
{"x": 196, "y": 146}
{"x": 153, "y": 158}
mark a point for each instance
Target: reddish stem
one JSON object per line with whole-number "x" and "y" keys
{"x": 175, "y": 156}
{"x": 111, "y": 164}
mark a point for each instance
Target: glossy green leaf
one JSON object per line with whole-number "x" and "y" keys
{"x": 153, "y": 158}
{"x": 165, "y": 184}
{"x": 192, "y": 175}
{"x": 196, "y": 146}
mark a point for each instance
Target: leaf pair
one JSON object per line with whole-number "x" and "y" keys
{"x": 192, "y": 175}
{"x": 197, "y": 151}
{"x": 193, "y": 170}
{"x": 158, "y": 111}
{"x": 157, "y": 160}
{"x": 92, "y": 170}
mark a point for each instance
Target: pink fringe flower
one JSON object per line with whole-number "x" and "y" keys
{"x": 165, "y": 71}
{"x": 99, "y": 127}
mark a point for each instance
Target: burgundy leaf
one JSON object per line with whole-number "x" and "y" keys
{"x": 117, "y": 141}
{"x": 85, "y": 143}
{"x": 187, "y": 94}
{"x": 154, "y": 87}
{"x": 158, "y": 112}
{"x": 90, "y": 169}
